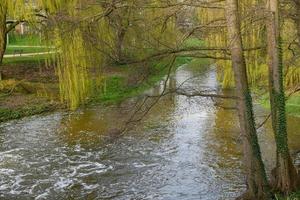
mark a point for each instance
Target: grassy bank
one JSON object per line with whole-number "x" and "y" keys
{"x": 24, "y": 40}
{"x": 10, "y": 114}
{"x": 292, "y": 104}
{"x": 20, "y": 99}
{"x": 117, "y": 88}
{"x": 117, "y": 84}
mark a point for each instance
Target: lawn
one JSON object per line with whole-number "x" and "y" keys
{"x": 24, "y": 44}
{"x": 292, "y": 104}
{"x": 25, "y": 40}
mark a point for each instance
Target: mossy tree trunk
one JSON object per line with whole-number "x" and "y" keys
{"x": 256, "y": 180}
{"x": 285, "y": 174}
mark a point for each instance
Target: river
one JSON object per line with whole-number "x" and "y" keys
{"x": 184, "y": 149}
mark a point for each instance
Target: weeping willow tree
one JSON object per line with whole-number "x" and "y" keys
{"x": 72, "y": 59}
{"x": 215, "y": 37}
{"x": 72, "y": 68}
{"x": 290, "y": 34}
{"x": 67, "y": 29}
{"x": 253, "y": 34}
{"x": 214, "y": 33}
{"x": 140, "y": 27}
{"x": 89, "y": 36}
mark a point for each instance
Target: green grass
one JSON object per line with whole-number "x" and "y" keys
{"x": 117, "y": 89}
{"x": 292, "y": 104}
{"x": 25, "y": 40}
{"x": 199, "y": 65}
{"x": 28, "y": 40}
{"x": 10, "y": 114}
{"x": 193, "y": 42}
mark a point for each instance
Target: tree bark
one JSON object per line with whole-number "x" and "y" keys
{"x": 297, "y": 19}
{"x": 120, "y": 44}
{"x": 256, "y": 180}
{"x": 285, "y": 174}
{"x": 3, "y": 33}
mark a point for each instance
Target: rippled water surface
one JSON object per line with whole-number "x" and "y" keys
{"x": 185, "y": 148}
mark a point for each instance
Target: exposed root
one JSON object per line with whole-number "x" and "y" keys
{"x": 285, "y": 178}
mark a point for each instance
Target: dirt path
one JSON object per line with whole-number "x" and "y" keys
{"x": 28, "y": 54}
{"x": 31, "y": 46}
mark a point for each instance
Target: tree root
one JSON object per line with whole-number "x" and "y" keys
{"x": 285, "y": 178}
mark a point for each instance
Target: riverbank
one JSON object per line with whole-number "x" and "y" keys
{"x": 182, "y": 149}
{"x": 27, "y": 88}
{"x": 31, "y": 88}
{"x": 292, "y": 103}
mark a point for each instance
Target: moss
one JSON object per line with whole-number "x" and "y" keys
{"x": 254, "y": 139}
{"x": 250, "y": 119}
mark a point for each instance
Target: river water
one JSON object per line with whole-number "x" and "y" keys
{"x": 184, "y": 149}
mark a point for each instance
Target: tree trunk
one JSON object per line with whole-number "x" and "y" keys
{"x": 3, "y": 39}
{"x": 120, "y": 44}
{"x": 297, "y": 19}
{"x": 285, "y": 174}
{"x": 256, "y": 180}
{"x": 3, "y": 36}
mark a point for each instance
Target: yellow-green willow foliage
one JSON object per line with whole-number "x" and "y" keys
{"x": 291, "y": 60}
{"x": 214, "y": 34}
{"x": 18, "y": 9}
{"x": 253, "y": 33}
{"x": 85, "y": 41}
{"x": 73, "y": 59}
{"x": 55, "y": 6}
{"x": 148, "y": 27}
{"x": 72, "y": 68}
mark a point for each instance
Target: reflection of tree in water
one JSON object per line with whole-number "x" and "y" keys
{"x": 226, "y": 134}
{"x": 294, "y": 133}
{"x": 226, "y": 149}
{"x": 92, "y": 125}
{"x": 89, "y": 127}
